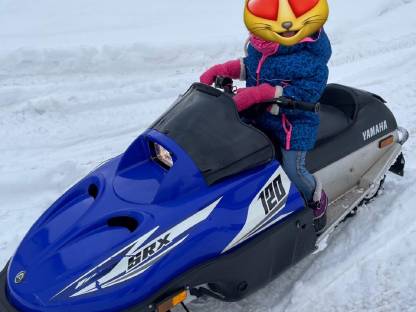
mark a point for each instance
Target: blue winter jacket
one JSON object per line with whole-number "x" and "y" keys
{"x": 303, "y": 73}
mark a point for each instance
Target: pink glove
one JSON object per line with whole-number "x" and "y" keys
{"x": 231, "y": 69}
{"x": 247, "y": 97}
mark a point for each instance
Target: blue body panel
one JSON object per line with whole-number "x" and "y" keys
{"x": 72, "y": 248}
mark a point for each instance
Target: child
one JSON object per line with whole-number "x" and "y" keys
{"x": 287, "y": 56}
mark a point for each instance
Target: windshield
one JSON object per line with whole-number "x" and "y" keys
{"x": 205, "y": 123}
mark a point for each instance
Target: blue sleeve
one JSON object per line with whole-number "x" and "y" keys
{"x": 308, "y": 88}
{"x": 312, "y": 69}
{"x": 250, "y": 63}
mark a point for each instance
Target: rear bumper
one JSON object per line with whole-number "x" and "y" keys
{"x": 5, "y": 305}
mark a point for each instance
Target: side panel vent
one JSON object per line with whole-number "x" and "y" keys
{"x": 93, "y": 191}
{"x": 127, "y": 222}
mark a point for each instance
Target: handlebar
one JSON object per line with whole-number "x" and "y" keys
{"x": 226, "y": 84}
{"x": 284, "y": 102}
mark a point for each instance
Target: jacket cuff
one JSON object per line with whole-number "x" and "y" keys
{"x": 243, "y": 74}
{"x": 279, "y": 92}
{"x": 274, "y": 109}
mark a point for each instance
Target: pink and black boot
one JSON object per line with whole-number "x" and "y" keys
{"x": 319, "y": 205}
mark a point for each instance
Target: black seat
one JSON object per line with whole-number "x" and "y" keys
{"x": 338, "y": 111}
{"x": 333, "y": 122}
{"x": 341, "y": 97}
{"x": 345, "y": 113}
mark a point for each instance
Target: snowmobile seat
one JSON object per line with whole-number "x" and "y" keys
{"x": 342, "y": 98}
{"x": 340, "y": 107}
{"x": 345, "y": 113}
{"x": 333, "y": 122}
{"x": 338, "y": 111}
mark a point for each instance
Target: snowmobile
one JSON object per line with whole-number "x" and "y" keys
{"x": 198, "y": 205}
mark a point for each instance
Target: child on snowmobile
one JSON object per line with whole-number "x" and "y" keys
{"x": 287, "y": 55}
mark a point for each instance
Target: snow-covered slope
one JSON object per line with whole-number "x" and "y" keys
{"x": 81, "y": 79}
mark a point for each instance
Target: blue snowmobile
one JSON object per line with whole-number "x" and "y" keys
{"x": 198, "y": 205}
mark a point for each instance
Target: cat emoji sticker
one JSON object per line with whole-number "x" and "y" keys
{"x": 286, "y": 22}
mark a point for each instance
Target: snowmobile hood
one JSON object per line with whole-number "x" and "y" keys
{"x": 101, "y": 248}
{"x": 82, "y": 243}
{"x": 131, "y": 226}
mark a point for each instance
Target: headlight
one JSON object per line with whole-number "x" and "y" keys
{"x": 163, "y": 156}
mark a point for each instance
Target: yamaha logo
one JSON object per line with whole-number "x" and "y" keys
{"x": 375, "y": 130}
{"x": 20, "y": 277}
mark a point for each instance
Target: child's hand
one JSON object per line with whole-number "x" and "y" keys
{"x": 247, "y": 97}
{"x": 231, "y": 69}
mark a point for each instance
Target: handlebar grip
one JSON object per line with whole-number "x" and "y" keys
{"x": 221, "y": 82}
{"x": 309, "y": 107}
{"x": 226, "y": 84}
{"x": 283, "y": 102}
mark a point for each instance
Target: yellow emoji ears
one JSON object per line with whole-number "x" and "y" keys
{"x": 286, "y": 22}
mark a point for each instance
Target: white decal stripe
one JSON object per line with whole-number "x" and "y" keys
{"x": 105, "y": 261}
{"x": 174, "y": 232}
{"x": 143, "y": 267}
{"x": 142, "y": 240}
{"x": 267, "y": 219}
{"x": 256, "y": 214}
{"x": 89, "y": 289}
{"x": 193, "y": 220}
{"x": 118, "y": 273}
{"x": 269, "y": 225}
{"x": 84, "y": 281}
{"x": 119, "y": 268}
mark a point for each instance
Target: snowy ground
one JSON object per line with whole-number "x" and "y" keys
{"x": 80, "y": 80}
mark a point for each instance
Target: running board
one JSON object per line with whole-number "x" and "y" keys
{"x": 340, "y": 208}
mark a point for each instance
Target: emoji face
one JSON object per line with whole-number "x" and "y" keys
{"x": 286, "y": 22}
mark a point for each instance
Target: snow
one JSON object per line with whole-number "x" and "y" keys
{"x": 80, "y": 79}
